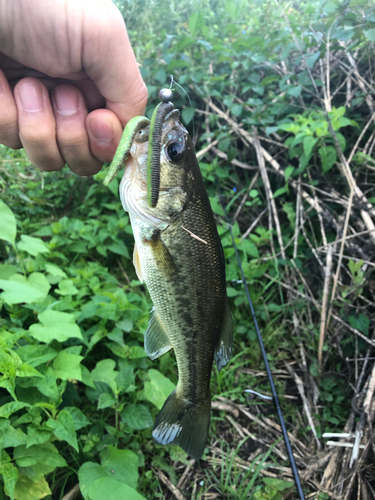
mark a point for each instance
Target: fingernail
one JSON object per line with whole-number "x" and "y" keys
{"x": 101, "y": 131}
{"x": 66, "y": 101}
{"x": 31, "y": 97}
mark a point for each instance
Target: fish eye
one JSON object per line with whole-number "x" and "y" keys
{"x": 175, "y": 151}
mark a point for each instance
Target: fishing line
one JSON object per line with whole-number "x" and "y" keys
{"x": 187, "y": 95}
{"x": 268, "y": 369}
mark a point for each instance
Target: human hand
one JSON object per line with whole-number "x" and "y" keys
{"x": 61, "y": 63}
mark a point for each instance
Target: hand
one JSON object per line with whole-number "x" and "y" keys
{"x": 69, "y": 81}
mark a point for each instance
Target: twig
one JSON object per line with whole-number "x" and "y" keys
{"x": 72, "y": 493}
{"x": 323, "y": 316}
{"x": 194, "y": 235}
{"x": 175, "y": 491}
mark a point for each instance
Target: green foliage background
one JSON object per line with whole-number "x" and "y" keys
{"x": 78, "y": 394}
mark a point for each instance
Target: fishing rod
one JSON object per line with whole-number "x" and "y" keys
{"x": 266, "y": 363}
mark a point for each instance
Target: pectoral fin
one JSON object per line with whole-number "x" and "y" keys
{"x": 223, "y": 348}
{"x": 156, "y": 340}
{"x": 137, "y": 263}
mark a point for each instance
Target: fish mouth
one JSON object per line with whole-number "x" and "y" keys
{"x": 134, "y": 200}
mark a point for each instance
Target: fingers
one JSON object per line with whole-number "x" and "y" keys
{"x": 36, "y": 124}
{"x": 57, "y": 129}
{"x": 8, "y": 116}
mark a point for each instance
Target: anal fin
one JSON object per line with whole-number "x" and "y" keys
{"x": 223, "y": 347}
{"x": 156, "y": 340}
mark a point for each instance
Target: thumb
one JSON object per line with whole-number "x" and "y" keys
{"x": 108, "y": 59}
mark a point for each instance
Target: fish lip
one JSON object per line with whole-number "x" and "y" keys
{"x": 134, "y": 207}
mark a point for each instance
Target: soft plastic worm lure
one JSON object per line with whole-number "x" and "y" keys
{"x": 154, "y": 146}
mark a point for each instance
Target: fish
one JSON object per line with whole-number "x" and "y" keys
{"x": 178, "y": 255}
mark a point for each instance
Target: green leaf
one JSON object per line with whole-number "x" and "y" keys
{"x": 113, "y": 489}
{"x": 119, "y": 247}
{"x": 31, "y": 245}
{"x": 360, "y": 322}
{"x": 63, "y": 428}
{"x": 8, "y": 409}
{"x": 231, "y": 9}
{"x": 45, "y": 453}
{"x": 308, "y": 144}
{"x": 26, "y": 370}
{"x": 328, "y": 157}
{"x": 288, "y": 172}
{"x": 125, "y": 378}
{"x": 67, "y": 366}
{"x": 125, "y": 324}
{"x": 137, "y": 416}
{"x": 8, "y": 224}
{"x": 106, "y": 400}
{"x": 79, "y": 419}
{"x": 295, "y": 91}
{"x": 236, "y": 109}
{"x": 18, "y": 289}
{"x": 195, "y": 23}
{"x": 66, "y": 287}
{"x": 37, "y": 471}
{"x": 55, "y": 325}
{"x": 121, "y": 465}
{"x": 10, "y": 477}
{"x": 55, "y": 270}
{"x": 104, "y": 371}
{"x": 9, "y": 436}
{"x": 137, "y": 351}
{"x": 158, "y": 389}
{"x": 35, "y": 355}
{"x": 26, "y": 489}
{"x": 36, "y": 436}
{"x": 370, "y": 34}
{"x": 87, "y": 474}
{"x": 187, "y": 115}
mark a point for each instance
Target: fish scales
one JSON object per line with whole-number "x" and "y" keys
{"x": 186, "y": 280}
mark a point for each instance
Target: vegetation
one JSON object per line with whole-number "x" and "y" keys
{"x": 282, "y": 113}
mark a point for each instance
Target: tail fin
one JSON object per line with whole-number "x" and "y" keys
{"x": 184, "y": 423}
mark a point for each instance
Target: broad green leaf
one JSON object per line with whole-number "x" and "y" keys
{"x": 370, "y": 34}
{"x": 187, "y": 115}
{"x": 67, "y": 366}
{"x": 37, "y": 471}
{"x": 113, "y": 489}
{"x": 33, "y": 246}
{"x": 26, "y": 370}
{"x": 328, "y": 157}
{"x": 35, "y": 355}
{"x": 26, "y": 489}
{"x": 137, "y": 416}
{"x": 9, "y": 436}
{"x": 55, "y": 325}
{"x": 48, "y": 386}
{"x": 10, "y": 477}
{"x": 104, "y": 371}
{"x": 79, "y": 419}
{"x": 9, "y": 408}
{"x": 106, "y": 400}
{"x": 45, "y": 453}
{"x": 6, "y": 271}
{"x": 137, "y": 351}
{"x": 125, "y": 324}
{"x": 121, "y": 465}
{"x": 87, "y": 474}
{"x": 195, "y": 23}
{"x": 18, "y": 289}
{"x": 119, "y": 247}
{"x": 231, "y": 9}
{"x": 158, "y": 389}
{"x": 360, "y": 322}
{"x": 308, "y": 144}
{"x": 125, "y": 378}
{"x": 8, "y": 224}
{"x": 55, "y": 270}
{"x": 63, "y": 428}
{"x": 66, "y": 287}
{"x": 36, "y": 436}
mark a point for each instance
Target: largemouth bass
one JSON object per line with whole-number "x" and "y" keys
{"x": 179, "y": 256}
